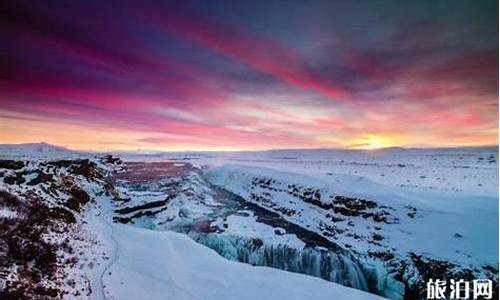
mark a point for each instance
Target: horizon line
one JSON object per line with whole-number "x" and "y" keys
{"x": 152, "y": 152}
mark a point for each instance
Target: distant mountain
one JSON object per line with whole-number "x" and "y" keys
{"x": 38, "y": 150}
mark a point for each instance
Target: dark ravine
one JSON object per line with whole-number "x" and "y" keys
{"x": 311, "y": 239}
{"x": 320, "y": 258}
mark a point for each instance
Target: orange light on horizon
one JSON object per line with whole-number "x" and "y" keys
{"x": 375, "y": 141}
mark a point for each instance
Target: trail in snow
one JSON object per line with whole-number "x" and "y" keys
{"x": 114, "y": 254}
{"x": 114, "y": 258}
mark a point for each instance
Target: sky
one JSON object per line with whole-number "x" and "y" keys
{"x": 249, "y": 75}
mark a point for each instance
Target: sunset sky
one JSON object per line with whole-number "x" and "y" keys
{"x": 233, "y": 75}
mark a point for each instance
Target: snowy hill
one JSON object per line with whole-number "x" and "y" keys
{"x": 38, "y": 150}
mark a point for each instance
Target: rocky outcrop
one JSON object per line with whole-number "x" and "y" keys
{"x": 40, "y": 217}
{"x": 31, "y": 259}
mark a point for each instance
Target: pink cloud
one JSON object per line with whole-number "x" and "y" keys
{"x": 257, "y": 52}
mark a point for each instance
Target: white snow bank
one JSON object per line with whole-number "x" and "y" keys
{"x": 441, "y": 214}
{"x": 168, "y": 265}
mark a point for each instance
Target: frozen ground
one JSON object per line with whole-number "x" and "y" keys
{"x": 382, "y": 221}
{"x": 450, "y": 169}
{"x": 420, "y": 221}
{"x": 148, "y": 264}
{"x": 455, "y": 190}
{"x": 411, "y": 209}
{"x": 168, "y": 265}
{"x": 58, "y": 214}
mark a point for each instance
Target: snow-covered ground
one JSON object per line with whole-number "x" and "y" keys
{"x": 450, "y": 169}
{"x": 422, "y": 206}
{"x": 434, "y": 228}
{"x": 38, "y": 151}
{"x": 455, "y": 190}
{"x": 95, "y": 258}
{"x": 151, "y": 264}
{"x": 383, "y": 221}
{"x": 167, "y": 265}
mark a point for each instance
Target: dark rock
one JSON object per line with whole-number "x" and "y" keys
{"x": 109, "y": 159}
{"x": 11, "y": 164}
{"x": 78, "y": 199}
{"x": 41, "y": 178}
{"x": 279, "y": 231}
{"x": 149, "y": 205}
{"x": 383, "y": 255}
{"x": 17, "y": 178}
{"x": 256, "y": 243}
{"x": 377, "y": 237}
{"x": 59, "y": 213}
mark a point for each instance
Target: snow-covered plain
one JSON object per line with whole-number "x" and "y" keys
{"x": 453, "y": 189}
{"x": 439, "y": 214}
{"x": 376, "y": 220}
{"x": 439, "y": 206}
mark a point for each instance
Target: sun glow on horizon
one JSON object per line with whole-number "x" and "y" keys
{"x": 375, "y": 141}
